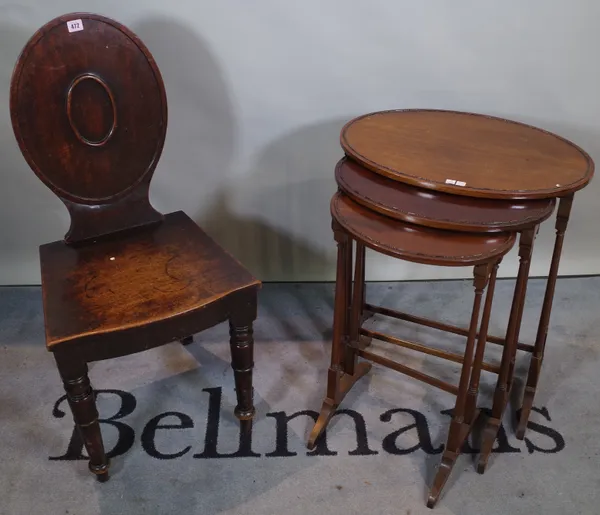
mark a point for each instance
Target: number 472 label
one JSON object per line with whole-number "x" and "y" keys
{"x": 75, "y": 25}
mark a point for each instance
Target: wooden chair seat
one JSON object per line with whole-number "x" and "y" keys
{"x": 147, "y": 282}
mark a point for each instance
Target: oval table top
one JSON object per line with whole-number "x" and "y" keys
{"x": 467, "y": 154}
{"x": 435, "y": 209}
{"x": 416, "y": 243}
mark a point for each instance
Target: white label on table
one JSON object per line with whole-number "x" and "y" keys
{"x": 461, "y": 183}
{"x": 75, "y": 25}
{"x": 450, "y": 181}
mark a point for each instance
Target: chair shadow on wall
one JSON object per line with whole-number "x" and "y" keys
{"x": 288, "y": 190}
{"x": 290, "y": 183}
{"x": 268, "y": 218}
{"x": 288, "y": 236}
{"x": 275, "y": 219}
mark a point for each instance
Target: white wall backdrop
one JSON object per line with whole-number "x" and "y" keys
{"x": 259, "y": 89}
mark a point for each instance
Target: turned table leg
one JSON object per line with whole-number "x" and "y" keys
{"x": 356, "y": 306}
{"x": 471, "y": 411}
{"x": 460, "y": 426}
{"x": 504, "y": 381}
{"x": 339, "y": 382}
{"x": 535, "y": 365}
{"x": 361, "y": 297}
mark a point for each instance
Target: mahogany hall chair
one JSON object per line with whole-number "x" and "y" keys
{"x": 89, "y": 112}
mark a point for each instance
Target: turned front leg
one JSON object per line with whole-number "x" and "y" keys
{"x": 82, "y": 402}
{"x": 242, "y": 361}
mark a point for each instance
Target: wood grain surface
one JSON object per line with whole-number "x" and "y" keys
{"x": 467, "y": 154}
{"x": 415, "y": 243}
{"x": 435, "y": 209}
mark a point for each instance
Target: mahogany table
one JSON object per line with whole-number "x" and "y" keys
{"x": 473, "y": 157}
{"x": 353, "y": 222}
{"x": 425, "y": 227}
{"x": 451, "y": 212}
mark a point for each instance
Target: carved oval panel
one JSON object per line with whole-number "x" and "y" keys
{"x": 91, "y": 110}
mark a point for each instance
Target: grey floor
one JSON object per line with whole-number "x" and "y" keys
{"x": 386, "y": 470}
